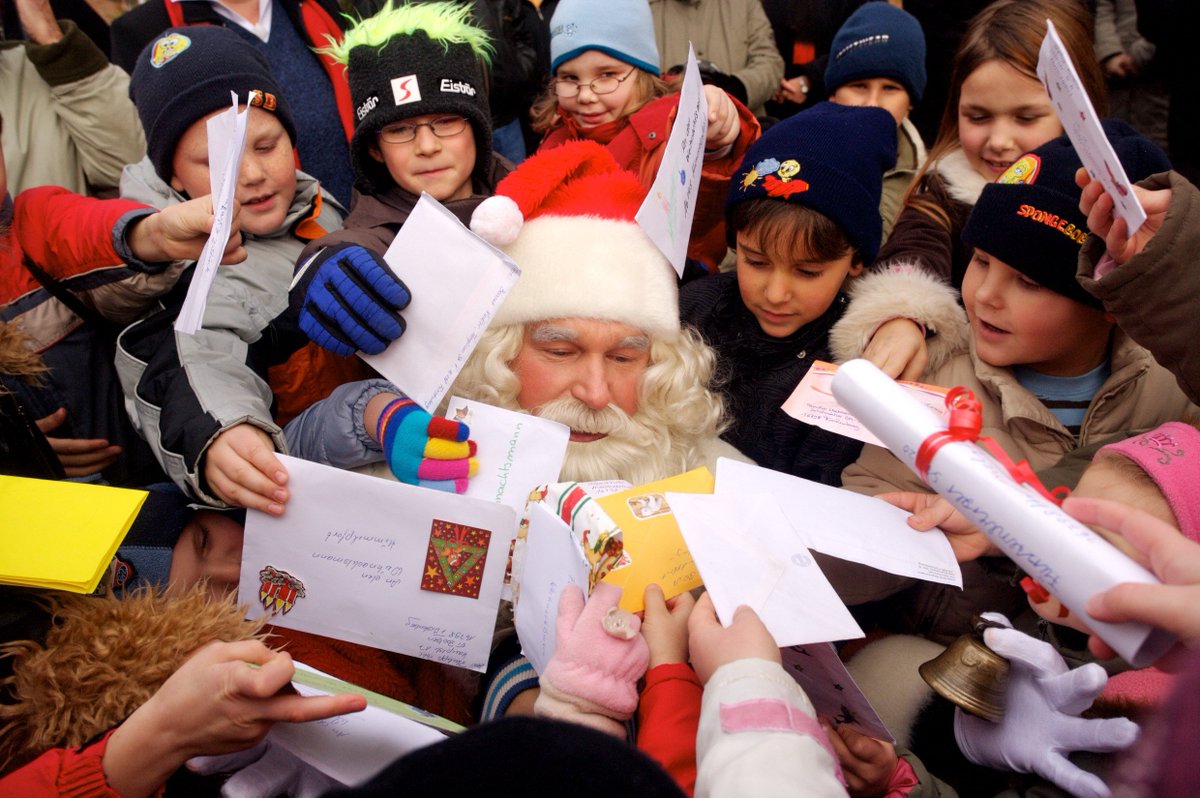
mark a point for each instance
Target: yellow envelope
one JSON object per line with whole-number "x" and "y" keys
{"x": 652, "y": 538}
{"x": 59, "y": 534}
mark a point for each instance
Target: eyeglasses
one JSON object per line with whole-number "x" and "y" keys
{"x": 568, "y": 88}
{"x": 442, "y": 127}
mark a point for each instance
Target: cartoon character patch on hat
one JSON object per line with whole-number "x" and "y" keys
{"x": 1024, "y": 171}
{"x": 784, "y": 182}
{"x": 167, "y": 48}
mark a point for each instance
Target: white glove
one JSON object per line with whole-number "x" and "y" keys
{"x": 265, "y": 771}
{"x": 1041, "y": 723}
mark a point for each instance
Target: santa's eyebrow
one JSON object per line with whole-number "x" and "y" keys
{"x": 548, "y": 333}
{"x": 639, "y": 342}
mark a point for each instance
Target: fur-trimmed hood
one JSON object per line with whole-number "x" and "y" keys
{"x": 101, "y": 659}
{"x": 902, "y": 290}
{"x": 963, "y": 183}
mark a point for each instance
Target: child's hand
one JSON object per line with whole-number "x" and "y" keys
{"x": 80, "y": 457}
{"x": 353, "y": 302}
{"x": 1098, "y": 206}
{"x": 1172, "y": 557}
{"x": 179, "y": 232}
{"x": 898, "y": 349}
{"x": 421, "y": 449}
{"x": 867, "y": 763}
{"x": 241, "y": 468}
{"x": 217, "y": 702}
{"x": 665, "y": 626}
{"x": 712, "y": 645}
{"x": 930, "y": 510}
{"x": 723, "y": 124}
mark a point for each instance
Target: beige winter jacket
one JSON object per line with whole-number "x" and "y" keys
{"x": 735, "y": 35}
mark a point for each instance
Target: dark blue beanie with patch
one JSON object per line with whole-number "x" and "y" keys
{"x": 831, "y": 158}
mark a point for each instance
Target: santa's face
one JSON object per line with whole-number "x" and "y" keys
{"x": 578, "y": 369}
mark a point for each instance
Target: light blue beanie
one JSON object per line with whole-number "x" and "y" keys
{"x": 622, "y": 28}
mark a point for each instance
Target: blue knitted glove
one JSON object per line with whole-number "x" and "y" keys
{"x": 353, "y": 302}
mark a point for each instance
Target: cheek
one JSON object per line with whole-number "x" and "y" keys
{"x": 624, "y": 388}
{"x": 540, "y": 382}
{"x": 1037, "y": 135}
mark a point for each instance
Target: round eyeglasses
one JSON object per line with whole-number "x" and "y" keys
{"x": 568, "y": 88}
{"x": 404, "y": 132}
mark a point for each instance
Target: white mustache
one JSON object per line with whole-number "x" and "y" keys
{"x": 609, "y": 420}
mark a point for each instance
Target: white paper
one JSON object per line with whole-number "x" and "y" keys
{"x": 847, "y": 525}
{"x": 1079, "y": 120}
{"x": 1066, "y": 557}
{"x": 352, "y": 748}
{"x": 226, "y": 139}
{"x": 813, "y": 403}
{"x": 552, "y": 561}
{"x": 457, "y": 281}
{"x": 745, "y": 549}
{"x": 516, "y": 451}
{"x": 358, "y": 544}
{"x": 834, "y": 694}
{"x": 666, "y": 213}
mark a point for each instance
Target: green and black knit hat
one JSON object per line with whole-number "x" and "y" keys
{"x": 412, "y": 60}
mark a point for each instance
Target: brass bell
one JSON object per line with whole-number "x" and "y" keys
{"x": 970, "y": 675}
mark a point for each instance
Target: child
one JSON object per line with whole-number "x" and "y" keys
{"x": 804, "y": 216}
{"x": 878, "y": 58}
{"x": 1048, "y": 366}
{"x": 606, "y": 88}
{"x": 997, "y": 110}
{"x": 417, "y": 79}
{"x": 172, "y": 546}
{"x": 204, "y": 402}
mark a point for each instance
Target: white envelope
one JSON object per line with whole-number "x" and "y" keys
{"x": 381, "y": 563}
{"x": 745, "y": 550}
{"x": 666, "y": 213}
{"x": 517, "y": 451}
{"x": 552, "y": 561}
{"x": 352, "y": 748}
{"x": 457, "y": 281}
{"x": 848, "y": 525}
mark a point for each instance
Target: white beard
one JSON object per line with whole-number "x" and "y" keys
{"x": 632, "y": 450}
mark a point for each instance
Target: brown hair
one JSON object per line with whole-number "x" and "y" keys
{"x": 1011, "y": 31}
{"x": 647, "y": 87}
{"x": 789, "y": 228}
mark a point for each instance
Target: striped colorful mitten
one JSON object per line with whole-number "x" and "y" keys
{"x": 426, "y": 450}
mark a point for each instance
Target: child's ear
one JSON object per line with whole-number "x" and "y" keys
{"x": 374, "y": 151}
{"x": 856, "y": 268}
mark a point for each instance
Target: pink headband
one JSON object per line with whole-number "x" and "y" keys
{"x": 1170, "y": 455}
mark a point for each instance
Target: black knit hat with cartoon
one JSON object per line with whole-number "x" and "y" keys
{"x": 1030, "y": 218}
{"x": 412, "y": 60}
{"x": 187, "y": 73}
{"x": 832, "y": 159}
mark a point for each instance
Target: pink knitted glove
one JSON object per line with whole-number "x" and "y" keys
{"x": 598, "y": 658}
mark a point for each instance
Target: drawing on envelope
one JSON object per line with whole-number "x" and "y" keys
{"x": 278, "y": 590}
{"x": 455, "y": 559}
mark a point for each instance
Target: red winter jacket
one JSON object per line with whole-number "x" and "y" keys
{"x": 637, "y": 143}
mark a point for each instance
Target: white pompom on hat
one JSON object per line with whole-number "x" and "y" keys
{"x": 573, "y": 235}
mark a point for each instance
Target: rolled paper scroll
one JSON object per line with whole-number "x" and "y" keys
{"x": 1066, "y": 557}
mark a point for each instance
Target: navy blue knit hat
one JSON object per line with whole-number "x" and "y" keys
{"x": 1030, "y": 218}
{"x": 832, "y": 159}
{"x": 878, "y": 41}
{"x": 187, "y": 73}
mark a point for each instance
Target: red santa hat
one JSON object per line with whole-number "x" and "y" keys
{"x": 566, "y": 217}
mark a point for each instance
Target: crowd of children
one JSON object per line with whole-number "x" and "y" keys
{"x": 993, "y": 262}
